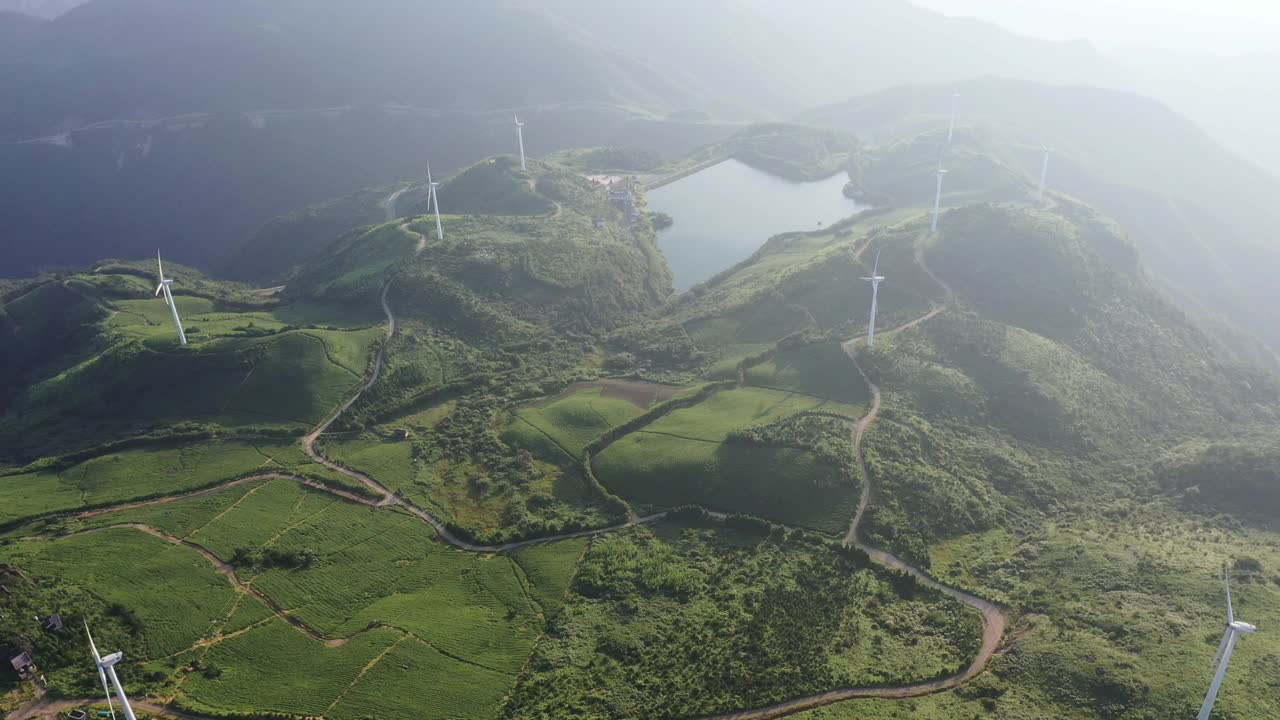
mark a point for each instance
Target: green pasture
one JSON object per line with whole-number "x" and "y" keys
{"x": 822, "y": 370}
{"x": 559, "y": 431}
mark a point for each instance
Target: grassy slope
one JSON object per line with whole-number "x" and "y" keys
{"x": 110, "y": 367}
{"x": 683, "y": 457}
{"x": 1016, "y": 455}
{"x": 559, "y": 431}
{"x": 795, "y": 283}
{"x": 371, "y": 567}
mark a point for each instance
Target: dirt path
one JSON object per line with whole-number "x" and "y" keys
{"x": 223, "y": 567}
{"x": 50, "y": 708}
{"x": 994, "y": 619}
{"x": 533, "y": 187}
{"x": 390, "y": 204}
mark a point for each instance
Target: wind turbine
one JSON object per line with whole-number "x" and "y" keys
{"x": 937, "y": 200}
{"x": 875, "y": 281}
{"x": 163, "y": 287}
{"x": 1044, "y": 171}
{"x": 107, "y": 667}
{"x": 520, "y": 134}
{"x": 955, "y": 102}
{"x": 1234, "y": 630}
{"x": 435, "y": 202}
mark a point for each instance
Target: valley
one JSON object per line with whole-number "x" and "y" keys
{"x": 510, "y": 474}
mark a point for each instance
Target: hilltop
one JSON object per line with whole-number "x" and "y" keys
{"x": 1200, "y": 216}
{"x": 96, "y": 360}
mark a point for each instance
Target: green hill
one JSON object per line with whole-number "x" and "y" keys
{"x": 1202, "y": 217}
{"x": 98, "y": 360}
{"x": 496, "y": 186}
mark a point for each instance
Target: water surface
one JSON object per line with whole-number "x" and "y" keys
{"x": 724, "y": 213}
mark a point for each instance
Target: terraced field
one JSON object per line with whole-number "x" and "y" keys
{"x": 174, "y": 592}
{"x": 398, "y": 609}
{"x": 152, "y": 471}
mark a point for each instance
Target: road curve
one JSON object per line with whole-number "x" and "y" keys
{"x": 994, "y": 620}
{"x": 390, "y": 204}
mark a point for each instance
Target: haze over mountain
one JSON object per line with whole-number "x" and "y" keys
{"x": 1201, "y": 216}
{"x": 395, "y": 452}
{"x": 47, "y": 9}
{"x": 284, "y": 96}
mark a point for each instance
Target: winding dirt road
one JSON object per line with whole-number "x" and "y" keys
{"x": 994, "y": 618}
{"x": 390, "y": 204}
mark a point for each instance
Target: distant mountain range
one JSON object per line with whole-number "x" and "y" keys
{"x": 47, "y": 9}
{"x": 130, "y": 123}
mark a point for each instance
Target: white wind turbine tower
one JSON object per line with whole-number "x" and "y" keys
{"x": 163, "y": 287}
{"x": 875, "y": 281}
{"x": 520, "y": 134}
{"x": 955, "y": 102}
{"x": 937, "y": 200}
{"x": 435, "y": 202}
{"x": 1044, "y": 171}
{"x": 1234, "y": 630}
{"x": 107, "y": 667}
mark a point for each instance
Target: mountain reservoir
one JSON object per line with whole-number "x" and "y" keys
{"x": 724, "y": 213}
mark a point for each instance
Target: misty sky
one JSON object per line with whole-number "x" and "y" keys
{"x": 1220, "y": 26}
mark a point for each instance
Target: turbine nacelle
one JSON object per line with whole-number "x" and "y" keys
{"x": 1243, "y": 627}
{"x": 1222, "y": 658}
{"x": 111, "y": 659}
{"x": 876, "y": 279}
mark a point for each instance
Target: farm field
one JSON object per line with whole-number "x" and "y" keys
{"x": 145, "y": 472}
{"x": 686, "y": 457}
{"x": 462, "y": 623}
{"x": 722, "y": 620}
{"x": 559, "y": 430}
{"x": 175, "y": 594}
{"x": 549, "y": 569}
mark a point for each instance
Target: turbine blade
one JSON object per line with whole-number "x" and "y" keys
{"x": 875, "y": 272}
{"x": 1226, "y": 580}
{"x": 1221, "y": 646}
{"x": 159, "y": 288}
{"x": 107, "y": 689}
{"x": 102, "y": 674}
{"x": 160, "y": 265}
{"x": 428, "y": 173}
{"x": 96, "y": 657}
